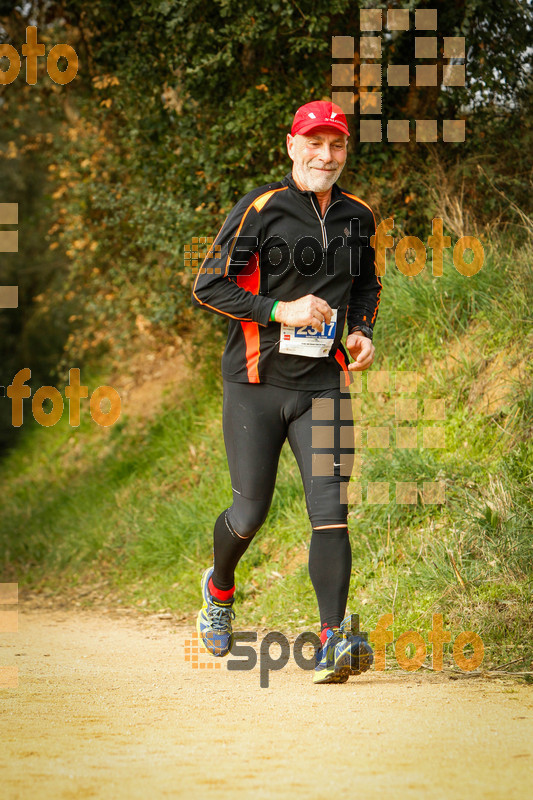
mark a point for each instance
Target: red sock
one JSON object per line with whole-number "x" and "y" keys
{"x": 324, "y": 631}
{"x": 220, "y": 594}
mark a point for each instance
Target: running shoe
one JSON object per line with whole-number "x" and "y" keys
{"x": 333, "y": 659}
{"x": 361, "y": 657}
{"x": 214, "y": 621}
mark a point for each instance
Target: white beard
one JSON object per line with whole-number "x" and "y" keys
{"x": 319, "y": 181}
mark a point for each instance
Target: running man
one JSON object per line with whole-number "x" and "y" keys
{"x": 291, "y": 265}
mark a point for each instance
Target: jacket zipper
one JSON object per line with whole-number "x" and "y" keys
{"x": 325, "y": 241}
{"x": 322, "y": 220}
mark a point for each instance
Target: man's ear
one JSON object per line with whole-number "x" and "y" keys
{"x": 290, "y": 145}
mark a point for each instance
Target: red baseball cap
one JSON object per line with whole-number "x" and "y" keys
{"x": 317, "y": 114}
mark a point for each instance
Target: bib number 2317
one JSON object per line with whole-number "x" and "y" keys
{"x": 306, "y": 341}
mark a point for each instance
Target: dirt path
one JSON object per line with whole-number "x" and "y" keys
{"x": 109, "y": 708}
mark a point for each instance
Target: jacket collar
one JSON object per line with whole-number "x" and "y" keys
{"x": 288, "y": 180}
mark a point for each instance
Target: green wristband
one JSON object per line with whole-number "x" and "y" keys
{"x": 273, "y": 312}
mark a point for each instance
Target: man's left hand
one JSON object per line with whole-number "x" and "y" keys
{"x": 361, "y": 349}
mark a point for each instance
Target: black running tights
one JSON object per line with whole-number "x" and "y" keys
{"x": 257, "y": 419}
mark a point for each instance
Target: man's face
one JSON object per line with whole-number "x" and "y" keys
{"x": 319, "y": 157}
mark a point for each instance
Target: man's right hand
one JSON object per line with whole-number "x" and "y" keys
{"x": 308, "y": 310}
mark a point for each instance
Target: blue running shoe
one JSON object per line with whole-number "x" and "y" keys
{"x": 214, "y": 621}
{"x": 333, "y": 662}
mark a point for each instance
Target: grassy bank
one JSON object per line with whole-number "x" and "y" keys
{"x": 129, "y": 510}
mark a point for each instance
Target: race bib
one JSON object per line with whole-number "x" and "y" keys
{"x": 306, "y": 341}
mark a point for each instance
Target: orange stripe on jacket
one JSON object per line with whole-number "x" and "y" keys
{"x": 378, "y": 298}
{"x": 258, "y": 204}
{"x": 339, "y": 357}
{"x": 250, "y": 329}
{"x": 354, "y": 197}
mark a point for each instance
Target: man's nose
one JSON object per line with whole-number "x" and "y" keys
{"x": 325, "y": 153}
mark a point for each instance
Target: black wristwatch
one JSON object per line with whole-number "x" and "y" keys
{"x": 364, "y": 329}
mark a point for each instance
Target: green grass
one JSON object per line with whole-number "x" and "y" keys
{"x": 131, "y": 510}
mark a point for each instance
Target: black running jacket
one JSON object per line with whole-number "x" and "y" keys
{"x": 276, "y": 245}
